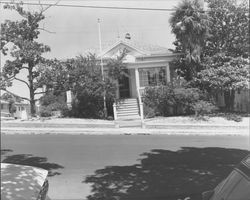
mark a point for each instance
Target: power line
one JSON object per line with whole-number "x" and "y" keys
{"x": 98, "y": 7}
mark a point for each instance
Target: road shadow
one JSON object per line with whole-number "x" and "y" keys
{"x": 30, "y": 160}
{"x": 165, "y": 175}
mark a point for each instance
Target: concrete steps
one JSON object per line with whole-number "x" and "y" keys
{"x": 128, "y": 113}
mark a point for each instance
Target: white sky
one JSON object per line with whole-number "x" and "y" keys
{"x": 76, "y": 29}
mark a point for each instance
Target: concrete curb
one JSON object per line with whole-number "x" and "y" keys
{"x": 123, "y": 131}
{"x": 112, "y": 125}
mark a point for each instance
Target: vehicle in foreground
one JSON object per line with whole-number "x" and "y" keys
{"x": 20, "y": 182}
{"x": 235, "y": 187}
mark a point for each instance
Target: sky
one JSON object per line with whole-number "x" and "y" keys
{"x": 75, "y": 29}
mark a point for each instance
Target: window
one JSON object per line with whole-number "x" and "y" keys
{"x": 2, "y": 106}
{"x": 152, "y": 76}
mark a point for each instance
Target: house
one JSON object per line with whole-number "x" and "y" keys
{"x": 22, "y": 108}
{"x": 146, "y": 65}
{"x": 5, "y": 108}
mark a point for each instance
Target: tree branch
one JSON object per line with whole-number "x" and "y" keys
{"x": 46, "y": 30}
{"x": 25, "y": 68}
{"x": 44, "y": 9}
{"x": 22, "y": 81}
{"x": 39, "y": 93}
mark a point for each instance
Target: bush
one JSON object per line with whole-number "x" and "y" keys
{"x": 157, "y": 101}
{"x": 175, "y": 100}
{"x": 203, "y": 107}
{"x": 149, "y": 112}
{"x": 89, "y": 106}
{"x": 52, "y": 105}
{"x": 45, "y": 112}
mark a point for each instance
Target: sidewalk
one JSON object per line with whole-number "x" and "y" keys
{"x": 124, "y": 131}
{"x": 168, "y": 126}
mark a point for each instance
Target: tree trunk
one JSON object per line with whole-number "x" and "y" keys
{"x": 32, "y": 92}
{"x": 229, "y": 100}
{"x": 32, "y": 103}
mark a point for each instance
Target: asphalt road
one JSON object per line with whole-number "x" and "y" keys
{"x": 81, "y": 155}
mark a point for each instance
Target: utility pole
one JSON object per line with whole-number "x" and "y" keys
{"x": 103, "y": 79}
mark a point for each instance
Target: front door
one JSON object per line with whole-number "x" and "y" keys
{"x": 124, "y": 86}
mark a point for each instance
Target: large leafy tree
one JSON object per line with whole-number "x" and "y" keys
{"x": 227, "y": 74}
{"x": 227, "y": 49}
{"x": 82, "y": 76}
{"x": 229, "y": 28}
{"x": 19, "y": 39}
{"x": 190, "y": 25}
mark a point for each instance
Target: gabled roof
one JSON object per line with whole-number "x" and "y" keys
{"x": 17, "y": 98}
{"x": 141, "y": 47}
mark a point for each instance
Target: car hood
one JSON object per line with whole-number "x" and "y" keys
{"x": 21, "y": 182}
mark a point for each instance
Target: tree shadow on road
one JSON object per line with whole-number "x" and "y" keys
{"x": 30, "y": 160}
{"x": 165, "y": 175}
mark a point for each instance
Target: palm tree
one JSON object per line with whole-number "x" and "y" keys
{"x": 190, "y": 25}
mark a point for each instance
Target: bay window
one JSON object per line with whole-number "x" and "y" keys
{"x": 152, "y": 76}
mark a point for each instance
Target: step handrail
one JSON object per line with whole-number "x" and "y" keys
{"x": 115, "y": 110}
{"x": 140, "y": 105}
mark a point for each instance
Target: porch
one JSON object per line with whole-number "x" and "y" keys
{"x": 129, "y": 106}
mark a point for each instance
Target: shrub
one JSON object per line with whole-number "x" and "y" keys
{"x": 203, "y": 107}
{"x": 149, "y": 112}
{"x": 45, "y": 112}
{"x": 53, "y": 105}
{"x": 158, "y": 100}
{"x": 175, "y": 100}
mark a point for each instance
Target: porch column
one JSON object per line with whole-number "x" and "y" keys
{"x": 117, "y": 91}
{"x": 168, "y": 73}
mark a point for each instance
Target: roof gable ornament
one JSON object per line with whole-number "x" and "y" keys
{"x": 127, "y": 36}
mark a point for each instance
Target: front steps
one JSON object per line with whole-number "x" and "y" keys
{"x": 128, "y": 113}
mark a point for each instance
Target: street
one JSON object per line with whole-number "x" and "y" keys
{"x": 81, "y": 155}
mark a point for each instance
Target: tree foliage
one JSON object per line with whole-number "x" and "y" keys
{"x": 19, "y": 39}
{"x": 227, "y": 74}
{"x": 224, "y": 50}
{"x": 83, "y": 77}
{"x": 226, "y": 60}
{"x": 229, "y": 28}
{"x": 190, "y": 25}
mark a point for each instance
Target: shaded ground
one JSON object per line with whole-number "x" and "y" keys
{"x": 30, "y": 160}
{"x": 166, "y": 175}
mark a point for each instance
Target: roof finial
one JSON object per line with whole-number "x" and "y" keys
{"x": 127, "y": 36}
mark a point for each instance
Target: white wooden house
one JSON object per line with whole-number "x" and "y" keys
{"x": 146, "y": 65}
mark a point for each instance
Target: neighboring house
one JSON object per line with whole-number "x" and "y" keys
{"x": 22, "y": 107}
{"x": 5, "y": 108}
{"x": 22, "y": 110}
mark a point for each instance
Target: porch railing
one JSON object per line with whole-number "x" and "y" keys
{"x": 140, "y": 106}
